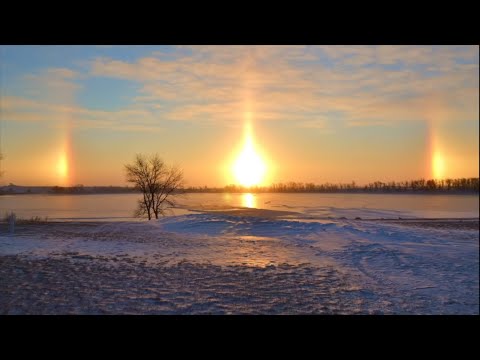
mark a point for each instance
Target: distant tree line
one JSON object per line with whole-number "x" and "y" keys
{"x": 77, "y": 189}
{"x": 461, "y": 185}
{"x": 80, "y": 189}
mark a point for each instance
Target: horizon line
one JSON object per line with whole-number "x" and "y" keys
{"x": 286, "y": 183}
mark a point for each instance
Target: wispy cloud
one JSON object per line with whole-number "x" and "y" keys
{"x": 362, "y": 85}
{"x": 215, "y": 83}
{"x": 53, "y": 85}
{"x": 128, "y": 119}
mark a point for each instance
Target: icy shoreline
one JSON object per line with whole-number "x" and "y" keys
{"x": 236, "y": 263}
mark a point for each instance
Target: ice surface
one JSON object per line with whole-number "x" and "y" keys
{"x": 120, "y": 207}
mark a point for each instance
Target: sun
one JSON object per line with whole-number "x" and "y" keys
{"x": 249, "y": 168}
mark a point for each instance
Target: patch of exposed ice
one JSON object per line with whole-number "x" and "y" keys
{"x": 215, "y": 225}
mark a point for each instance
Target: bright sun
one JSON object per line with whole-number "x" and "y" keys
{"x": 249, "y": 169}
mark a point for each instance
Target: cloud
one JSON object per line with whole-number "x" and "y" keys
{"x": 50, "y": 97}
{"x": 128, "y": 119}
{"x": 215, "y": 83}
{"x": 318, "y": 123}
{"x": 352, "y": 85}
{"x": 53, "y": 85}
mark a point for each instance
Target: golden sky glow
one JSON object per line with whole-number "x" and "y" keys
{"x": 62, "y": 167}
{"x": 438, "y": 166}
{"x": 248, "y": 115}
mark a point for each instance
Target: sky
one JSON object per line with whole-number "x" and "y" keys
{"x": 76, "y": 114}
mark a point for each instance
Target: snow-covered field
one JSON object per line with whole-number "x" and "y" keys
{"x": 242, "y": 263}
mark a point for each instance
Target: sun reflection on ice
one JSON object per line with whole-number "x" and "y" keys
{"x": 249, "y": 200}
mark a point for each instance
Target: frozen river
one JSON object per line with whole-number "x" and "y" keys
{"x": 315, "y": 206}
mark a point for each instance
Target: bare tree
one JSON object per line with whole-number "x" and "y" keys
{"x": 157, "y": 182}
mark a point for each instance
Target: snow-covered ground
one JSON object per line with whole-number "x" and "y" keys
{"x": 242, "y": 262}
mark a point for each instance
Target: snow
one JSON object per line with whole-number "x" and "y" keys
{"x": 234, "y": 262}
